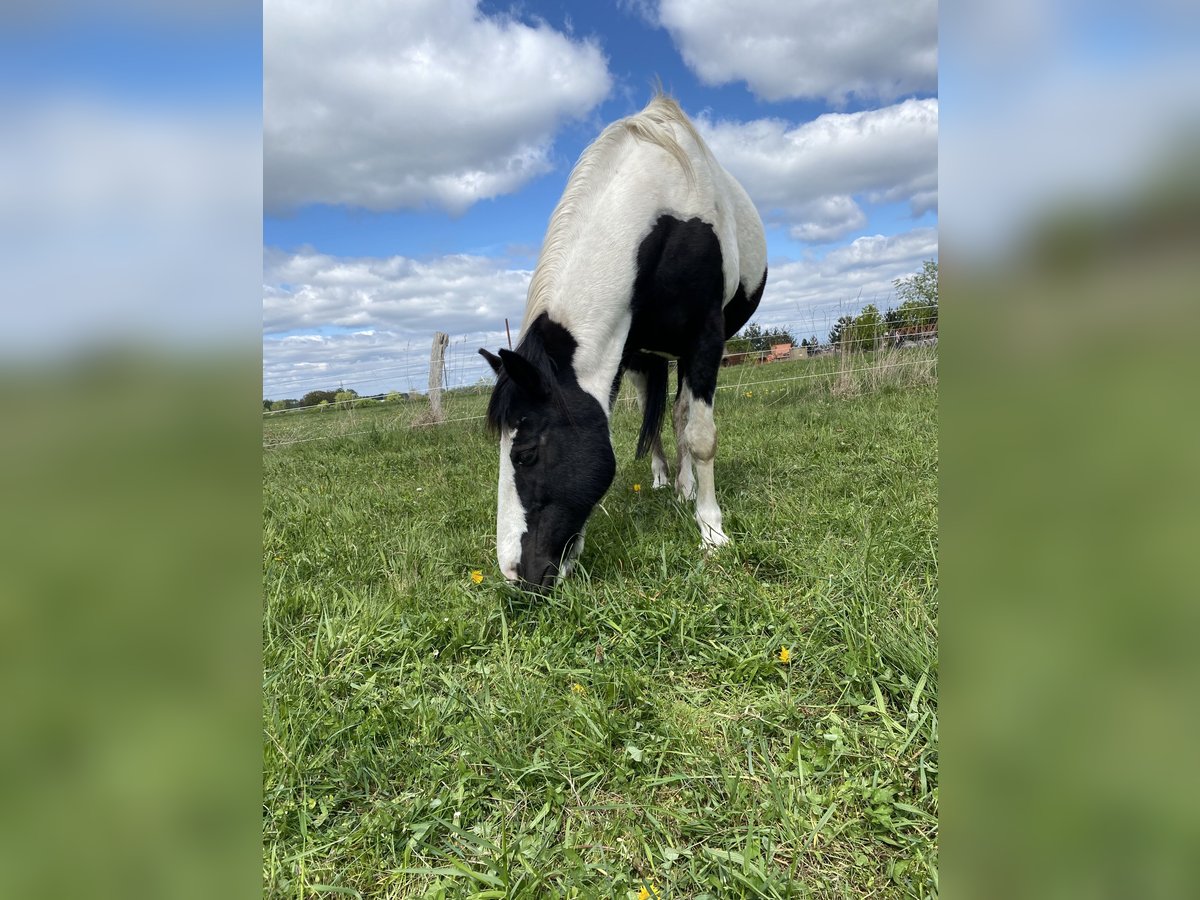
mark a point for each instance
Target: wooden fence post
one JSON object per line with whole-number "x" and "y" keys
{"x": 437, "y": 363}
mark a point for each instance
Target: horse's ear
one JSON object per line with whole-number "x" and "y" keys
{"x": 493, "y": 360}
{"x": 524, "y": 374}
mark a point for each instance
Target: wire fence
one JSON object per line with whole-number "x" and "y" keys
{"x": 854, "y": 367}
{"x": 407, "y": 371}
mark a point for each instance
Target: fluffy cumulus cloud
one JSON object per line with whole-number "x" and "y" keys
{"x": 812, "y": 177}
{"x": 876, "y": 49}
{"x": 309, "y": 290}
{"x": 427, "y": 102}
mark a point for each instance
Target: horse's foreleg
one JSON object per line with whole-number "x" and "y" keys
{"x": 700, "y": 433}
{"x": 685, "y": 482}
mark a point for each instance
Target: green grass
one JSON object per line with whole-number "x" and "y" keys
{"x": 426, "y": 736}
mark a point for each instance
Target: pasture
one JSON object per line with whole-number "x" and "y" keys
{"x": 636, "y": 733}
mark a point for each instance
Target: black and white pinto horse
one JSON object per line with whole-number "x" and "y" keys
{"x": 653, "y": 253}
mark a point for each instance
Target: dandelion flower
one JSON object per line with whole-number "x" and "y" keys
{"x": 648, "y": 892}
{"x": 637, "y": 488}
{"x": 477, "y": 576}
{"x": 749, "y": 393}
{"x": 784, "y": 654}
{"x": 577, "y": 688}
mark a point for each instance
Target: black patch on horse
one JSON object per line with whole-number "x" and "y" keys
{"x": 739, "y": 310}
{"x": 550, "y": 350}
{"x": 677, "y": 306}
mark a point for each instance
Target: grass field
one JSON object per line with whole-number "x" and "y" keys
{"x": 636, "y": 733}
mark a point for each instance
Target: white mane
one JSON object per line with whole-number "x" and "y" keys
{"x": 652, "y": 125}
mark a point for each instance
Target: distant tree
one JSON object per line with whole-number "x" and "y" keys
{"x": 738, "y": 345}
{"x": 266, "y": 405}
{"x": 763, "y": 338}
{"x": 281, "y": 404}
{"x": 804, "y": 342}
{"x": 324, "y": 404}
{"x": 314, "y": 398}
{"x": 395, "y": 396}
{"x": 865, "y": 332}
{"x": 920, "y": 295}
{"x": 893, "y": 319}
{"x": 839, "y": 328}
{"x": 345, "y": 396}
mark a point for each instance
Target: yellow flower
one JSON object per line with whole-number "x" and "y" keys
{"x": 749, "y": 393}
{"x": 637, "y": 488}
{"x": 577, "y": 688}
{"x": 784, "y": 654}
{"x": 477, "y": 576}
{"x": 647, "y": 893}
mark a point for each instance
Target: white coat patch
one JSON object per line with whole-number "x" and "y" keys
{"x": 510, "y": 514}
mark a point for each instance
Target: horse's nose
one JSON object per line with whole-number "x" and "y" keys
{"x": 540, "y": 584}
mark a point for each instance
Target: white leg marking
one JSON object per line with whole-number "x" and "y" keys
{"x": 685, "y": 483}
{"x": 510, "y": 514}
{"x": 658, "y": 464}
{"x": 701, "y": 436}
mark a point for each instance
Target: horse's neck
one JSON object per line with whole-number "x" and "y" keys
{"x": 599, "y": 328}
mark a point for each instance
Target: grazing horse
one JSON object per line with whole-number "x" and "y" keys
{"x": 653, "y": 253}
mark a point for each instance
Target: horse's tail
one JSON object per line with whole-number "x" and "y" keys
{"x": 655, "y": 370}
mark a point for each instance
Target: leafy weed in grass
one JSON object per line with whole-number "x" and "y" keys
{"x": 759, "y": 723}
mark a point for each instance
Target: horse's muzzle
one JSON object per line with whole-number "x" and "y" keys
{"x": 541, "y": 583}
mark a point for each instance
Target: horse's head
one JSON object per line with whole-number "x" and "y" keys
{"x": 556, "y": 462}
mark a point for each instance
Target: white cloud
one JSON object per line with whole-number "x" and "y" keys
{"x": 455, "y": 294}
{"x": 875, "y": 49}
{"x": 426, "y": 102}
{"x": 812, "y": 176}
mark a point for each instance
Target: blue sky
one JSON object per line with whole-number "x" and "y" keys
{"x": 413, "y": 153}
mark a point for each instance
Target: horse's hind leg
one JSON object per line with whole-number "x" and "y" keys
{"x": 658, "y": 459}
{"x": 658, "y": 464}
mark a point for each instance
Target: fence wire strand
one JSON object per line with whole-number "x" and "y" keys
{"x": 741, "y": 385}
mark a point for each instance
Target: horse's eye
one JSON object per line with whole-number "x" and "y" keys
{"x": 526, "y": 457}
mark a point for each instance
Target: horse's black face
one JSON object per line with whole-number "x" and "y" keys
{"x": 556, "y": 462}
{"x": 560, "y": 468}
